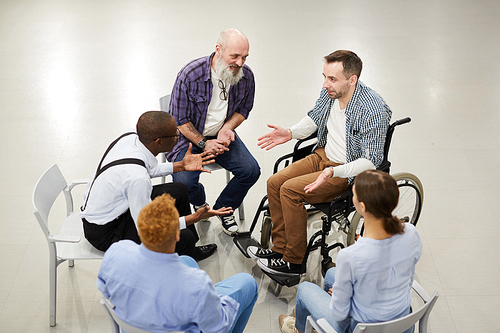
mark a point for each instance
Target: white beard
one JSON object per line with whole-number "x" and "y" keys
{"x": 226, "y": 73}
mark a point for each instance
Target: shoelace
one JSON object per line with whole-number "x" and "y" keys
{"x": 277, "y": 262}
{"x": 265, "y": 251}
{"x": 229, "y": 220}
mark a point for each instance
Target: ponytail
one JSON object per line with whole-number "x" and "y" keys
{"x": 393, "y": 225}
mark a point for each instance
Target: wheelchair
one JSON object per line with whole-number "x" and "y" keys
{"x": 340, "y": 210}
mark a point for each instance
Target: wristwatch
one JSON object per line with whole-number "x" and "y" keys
{"x": 202, "y": 144}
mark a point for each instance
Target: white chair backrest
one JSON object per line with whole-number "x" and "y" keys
{"x": 164, "y": 102}
{"x": 46, "y": 191}
{"x": 403, "y": 323}
{"x": 394, "y": 326}
{"x": 117, "y": 323}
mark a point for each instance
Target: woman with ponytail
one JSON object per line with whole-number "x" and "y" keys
{"x": 373, "y": 277}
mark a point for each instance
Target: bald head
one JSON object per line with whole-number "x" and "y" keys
{"x": 154, "y": 124}
{"x": 232, "y": 36}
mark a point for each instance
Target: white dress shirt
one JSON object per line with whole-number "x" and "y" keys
{"x": 125, "y": 186}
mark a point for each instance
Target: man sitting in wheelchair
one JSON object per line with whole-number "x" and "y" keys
{"x": 351, "y": 137}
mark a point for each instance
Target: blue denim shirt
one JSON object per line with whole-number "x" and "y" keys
{"x": 192, "y": 94}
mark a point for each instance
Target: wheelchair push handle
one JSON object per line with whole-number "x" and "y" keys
{"x": 402, "y": 121}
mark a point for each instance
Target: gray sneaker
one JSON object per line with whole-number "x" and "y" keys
{"x": 201, "y": 206}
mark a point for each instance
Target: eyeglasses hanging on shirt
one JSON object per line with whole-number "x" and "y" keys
{"x": 223, "y": 92}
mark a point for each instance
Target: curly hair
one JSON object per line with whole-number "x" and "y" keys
{"x": 158, "y": 221}
{"x": 380, "y": 193}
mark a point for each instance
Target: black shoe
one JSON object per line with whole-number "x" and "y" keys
{"x": 258, "y": 253}
{"x": 279, "y": 266}
{"x": 203, "y": 252}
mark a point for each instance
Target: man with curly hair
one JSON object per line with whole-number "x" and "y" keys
{"x": 155, "y": 289}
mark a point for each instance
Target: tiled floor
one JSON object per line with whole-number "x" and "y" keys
{"x": 75, "y": 74}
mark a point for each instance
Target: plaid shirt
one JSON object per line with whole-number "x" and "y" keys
{"x": 367, "y": 121}
{"x": 192, "y": 94}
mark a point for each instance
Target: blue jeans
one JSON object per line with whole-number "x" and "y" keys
{"x": 241, "y": 287}
{"x": 312, "y": 300}
{"x": 238, "y": 161}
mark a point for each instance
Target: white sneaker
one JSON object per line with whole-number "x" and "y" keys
{"x": 287, "y": 324}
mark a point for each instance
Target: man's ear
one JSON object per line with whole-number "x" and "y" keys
{"x": 353, "y": 80}
{"x": 218, "y": 48}
{"x": 178, "y": 235}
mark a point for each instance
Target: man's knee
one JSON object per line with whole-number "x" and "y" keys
{"x": 175, "y": 189}
{"x": 274, "y": 182}
{"x": 242, "y": 284}
{"x": 249, "y": 285}
{"x": 250, "y": 173}
{"x": 186, "y": 244}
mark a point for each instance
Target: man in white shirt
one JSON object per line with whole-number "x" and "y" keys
{"x": 351, "y": 121}
{"x": 122, "y": 186}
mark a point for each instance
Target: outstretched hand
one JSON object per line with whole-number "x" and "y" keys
{"x": 195, "y": 162}
{"x": 276, "y": 137}
{"x": 207, "y": 212}
{"x": 322, "y": 178}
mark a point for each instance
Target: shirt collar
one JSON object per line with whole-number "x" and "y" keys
{"x": 158, "y": 256}
{"x": 150, "y": 158}
{"x": 207, "y": 70}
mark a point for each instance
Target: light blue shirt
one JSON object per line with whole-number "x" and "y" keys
{"x": 373, "y": 278}
{"x": 155, "y": 292}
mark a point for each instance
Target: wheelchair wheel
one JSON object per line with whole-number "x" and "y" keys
{"x": 411, "y": 198}
{"x": 265, "y": 234}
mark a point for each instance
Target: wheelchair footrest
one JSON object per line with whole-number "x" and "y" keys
{"x": 243, "y": 240}
{"x": 284, "y": 280}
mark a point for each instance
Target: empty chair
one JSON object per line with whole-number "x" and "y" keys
{"x": 69, "y": 244}
{"x": 394, "y": 326}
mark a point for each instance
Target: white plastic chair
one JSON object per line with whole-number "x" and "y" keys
{"x": 394, "y": 326}
{"x": 117, "y": 323}
{"x": 164, "y": 102}
{"x": 69, "y": 244}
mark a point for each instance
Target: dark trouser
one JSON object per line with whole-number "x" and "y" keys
{"x": 123, "y": 227}
{"x": 238, "y": 160}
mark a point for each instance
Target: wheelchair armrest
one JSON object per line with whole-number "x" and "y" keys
{"x": 301, "y": 141}
{"x": 298, "y": 152}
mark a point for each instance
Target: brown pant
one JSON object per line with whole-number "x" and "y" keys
{"x": 285, "y": 193}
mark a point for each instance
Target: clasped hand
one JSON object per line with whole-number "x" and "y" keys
{"x": 220, "y": 145}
